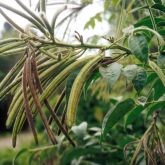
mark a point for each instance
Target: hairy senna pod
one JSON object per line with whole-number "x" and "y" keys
{"x": 77, "y": 88}
{"x": 63, "y": 75}
{"x": 38, "y": 83}
{"x": 17, "y": 125}
{"x": 25, "y": 82}
{"x": 39, "y": 107}
{"x": 14, "y": 108}
{"x": 58, "y": 104}
{"x": 12, "y": 73}
{"x": 20, "y": 120}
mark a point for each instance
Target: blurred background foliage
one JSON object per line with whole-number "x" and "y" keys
{"x": 94, "y": 104}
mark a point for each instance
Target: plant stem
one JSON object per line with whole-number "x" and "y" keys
{"x": 153, "y": 22}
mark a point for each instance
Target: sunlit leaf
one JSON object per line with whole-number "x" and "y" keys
{"x": 111, "y": 73}
{"x": 130, "y": 72}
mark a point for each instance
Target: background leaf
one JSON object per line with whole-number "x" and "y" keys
{"x": 114, "y": 115}
{"x": 158, "y": 1}
{"x": 159, "y": 7}
{"x": 133, "y": 115}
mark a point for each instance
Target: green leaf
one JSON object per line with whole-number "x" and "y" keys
{"x": 159, "y": 7}
{"x": 140, "y": 81}
{"x": 90, "y": 81}
{"x": 91, "y": 23}
{"x": 114, "y": 115}
{"x": 18, "y": 154}
{"x": 154, "y": 107}
{"x": 158, "y": 1}
{"x": 81, "y": 130}
{"x": 106, "y": 4}
{"x": 133, "y": 114}
{"x": 159, "y": 89}
{"x": 130, "y": 72}
{"x": 98, "y": 17}
{"x": 74, "y": 153}
{"x": 111, "y": 73}
{"x": 139, "y": 47}
{"x": 146, "y": 21}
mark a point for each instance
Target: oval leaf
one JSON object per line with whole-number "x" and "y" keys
{"x": 139, "y": 47}
{"x": 132, "y": 115}
{"x": 159, "y": 7}
{"x": 130, "y": 72}
{"x": 114, "y": 115}
{"x": 140, "y": 81}
{"x": 111, "y": 73}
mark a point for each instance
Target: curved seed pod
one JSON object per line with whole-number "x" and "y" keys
{"x": 34, "y": 68}
{"x": 43, "y": 6}
{"x": 48, "y": 53}
{"x": 47, "y": 64}
{"x": 17, "y": 27}
{"x": 45, "y": 20}
{"x": 7, "y": 41}
{"x": 55, "y": 17}
{"x": 20, "y": 120}
{"x": 15, "y": 51}
{"x": 16, "y": 97}
{"x": 57, "y": 68}
{"x": 14, "y": 108}
{"x": 38, "y": 105}
{"x": 38, "y": 25}
{"x": 16, "y": 126}
{"x": 11, "y": 46}
{"x": 62, "y": 76}
{"x": 77, "y": 88}
{"x": 12, "y": 73}
{"x": 25, "y": 82}
{"x": 58, "y": 104}
{"x": 30, "y": 12}
{"x": 62, "y": 119}
{"x": 9, "y": 87}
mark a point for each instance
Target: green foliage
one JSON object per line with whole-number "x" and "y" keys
{"x": 139, "y": 47}
{"x": 114, "y": 115}
{"x": 92, "y": 22}
{"x": 48, "y": 65}
{"x": 140, "y": 80}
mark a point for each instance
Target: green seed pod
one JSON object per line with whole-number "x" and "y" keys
{"x": 77, "y": 88}
{"x": 62, "y": 76}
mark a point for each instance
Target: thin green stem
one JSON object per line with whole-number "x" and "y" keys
{"x": 41, "y": 28}
{"x": 17, "y": 27}
{"x": 153, "y": 21}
